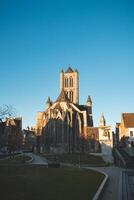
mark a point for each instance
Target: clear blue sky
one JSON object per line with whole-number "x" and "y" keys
{"x": 38, "y": 38}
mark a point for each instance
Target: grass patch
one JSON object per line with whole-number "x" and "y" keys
{"x": 16, "y": 160}
{"x": 76, "y": 158}
{"x": 22, "y": 158}
{"x": 38, "y": 182}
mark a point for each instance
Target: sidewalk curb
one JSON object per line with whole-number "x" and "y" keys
{"x": 102, "y": 185}
{"x": 7, "y": 157}
{"x": 29, "y": 161}
{"x": 99, "y": 191}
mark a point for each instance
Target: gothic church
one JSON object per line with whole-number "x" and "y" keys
{"x": 65, "y": 125}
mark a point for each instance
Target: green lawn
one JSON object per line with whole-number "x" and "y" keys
{"x": 22, "y": 158}
{"x": 76, "y": 158}
{"x": 19, "y": 159}
{"x": 40, "y": 183}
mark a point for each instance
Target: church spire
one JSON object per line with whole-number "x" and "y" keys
{"x": 48, "y": 102}
{"x": 62, "y": 71}
{"x": 89, "y": 101}
{"x": 102, "y": 120}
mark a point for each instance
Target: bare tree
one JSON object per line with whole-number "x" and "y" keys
{"x": 7, "y": 111}
{"x": 14, "y": 141}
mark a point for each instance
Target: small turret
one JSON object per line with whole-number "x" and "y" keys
{"x": 102, "y": 120}
{"x": 88, "y": 105}
{"x": 76, "y": 70}
{"x": 89, "y": 101}
{"x": 48, "y": 103}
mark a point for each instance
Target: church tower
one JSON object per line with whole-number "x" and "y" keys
{"x": 69, "y": 82}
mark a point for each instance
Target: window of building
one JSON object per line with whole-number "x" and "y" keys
{"x": 67, "y": 82}
{"x": 72, "y": 96}
{"x": 131, "y": 134}
{"x": 71, "y": 82}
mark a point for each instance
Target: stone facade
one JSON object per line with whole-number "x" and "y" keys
{"x": 62, "y": 124}
{"x": 9, "y": 127}
{"x": 105, "y": 137}
{"x": 65, "y": 125}
{"x": 69, "y": 82}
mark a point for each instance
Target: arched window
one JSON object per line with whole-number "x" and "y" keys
{"x": 71, "y": 82}
{"x": 67, "y": 82}
{"x": 69, "y": 95}
{"x": 72, "y": 96}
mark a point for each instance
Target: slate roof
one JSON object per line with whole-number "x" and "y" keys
{"x": 69, "y": 70}
{"x": 63, "y": 97}
{"x": 128, "y": 119}
{"x": 81, "y": 107}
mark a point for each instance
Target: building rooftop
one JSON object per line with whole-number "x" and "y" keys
{"x": 69, "y": 70}
{"x": 128, "y": 119}
{"x": 63, "y": 97}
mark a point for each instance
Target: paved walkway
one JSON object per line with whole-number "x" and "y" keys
{"x": 112, "y": 189}
{"x": 38, "y": 160}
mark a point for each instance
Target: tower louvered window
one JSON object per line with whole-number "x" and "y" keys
{"x": 71, "y": 82}
{"x": 67, "y": 82}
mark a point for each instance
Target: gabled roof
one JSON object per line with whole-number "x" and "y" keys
{"x": 10, "y": 121}
{"x": 69, "y": 70}
{"x": 128, "y": 119}
{"x": 63, "y": 97}
{"x": 81, "y": 107}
